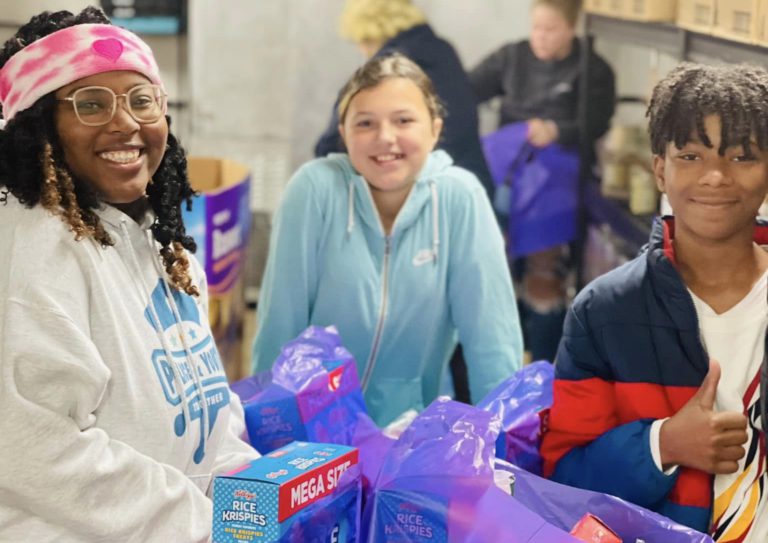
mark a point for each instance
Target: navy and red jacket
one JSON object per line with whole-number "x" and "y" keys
{"x": 630, "y": 354}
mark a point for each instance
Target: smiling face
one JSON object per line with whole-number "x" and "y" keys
{"x": 551, "y": 34}
{"x": 714, "y": 197}
{"x": 118, "y": 159}
{"x": 389, "y": 132}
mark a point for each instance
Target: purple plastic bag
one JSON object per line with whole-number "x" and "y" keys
{"x": 563, "y": 506}
{"x": 313, "y": 395}
{"x": 520, "y": 402}
{"x": 537, "y": 189}
{"x": 436, "y": 482}
{"x": 372, "y": 446}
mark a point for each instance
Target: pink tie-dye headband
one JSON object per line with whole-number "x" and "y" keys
{"x": 68, "y": 55}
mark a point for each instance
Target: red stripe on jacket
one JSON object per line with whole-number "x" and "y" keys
{"x": 596, "y": 406}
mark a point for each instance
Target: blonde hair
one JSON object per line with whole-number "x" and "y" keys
{"x": 378, "y": 20}
{"x": 391, "y": 66}
{"x": 569, "y": 9}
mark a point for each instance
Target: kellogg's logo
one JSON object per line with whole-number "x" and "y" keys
{"x": 276, "y": 474}
{"x": 240, "y": 493}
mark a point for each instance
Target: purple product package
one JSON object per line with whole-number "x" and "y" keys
{"x": 521, "y": 402}
{"x": 312, "y": 394}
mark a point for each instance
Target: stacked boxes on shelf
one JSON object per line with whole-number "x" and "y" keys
{"x": 762, "y": 24}
{"x": 738, "y": 19}
{"x": 697, "y": 15}
{"x": 639, "y": 10}
{"x": 650, "y": 10}
{"x": 611, "y": 8}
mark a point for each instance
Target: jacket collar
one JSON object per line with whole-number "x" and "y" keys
{"x": 671, "y": 291}
{"x": 663, "y": 234}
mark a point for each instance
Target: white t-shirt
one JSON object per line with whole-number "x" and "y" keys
{"x": 736, "y": 339}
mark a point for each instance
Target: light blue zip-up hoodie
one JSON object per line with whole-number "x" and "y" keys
{"x": 397, "y": 300}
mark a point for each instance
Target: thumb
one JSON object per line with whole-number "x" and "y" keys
{"x": 708, "y": 389}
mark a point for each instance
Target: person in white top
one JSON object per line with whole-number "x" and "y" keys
{"x": 116, "y": 408}
{"x": 660, "y": 380}
{"x": 716, "y": 182}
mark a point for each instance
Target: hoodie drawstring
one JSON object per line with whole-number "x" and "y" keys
{"x": 351, "y": 209}
{"x": 435, "y": 220}
{"x": 435, "y": 215}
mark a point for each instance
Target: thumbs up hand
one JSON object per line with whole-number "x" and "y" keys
{"x": 699, "y": 437}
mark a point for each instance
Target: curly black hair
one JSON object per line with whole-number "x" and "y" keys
{"x": 33, "y": 169}
{"x": 738, "y": 94}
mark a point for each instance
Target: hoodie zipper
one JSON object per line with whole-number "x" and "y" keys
{"x": 382, "y": 314}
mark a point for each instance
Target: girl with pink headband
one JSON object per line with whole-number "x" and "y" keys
{"x": 116, "y": 408}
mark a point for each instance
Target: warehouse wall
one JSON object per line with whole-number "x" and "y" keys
{"x": 263, "y": 75}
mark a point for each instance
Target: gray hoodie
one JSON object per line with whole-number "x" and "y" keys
{"x": 104, "y": 436}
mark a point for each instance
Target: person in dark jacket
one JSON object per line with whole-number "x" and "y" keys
{"x": 661, "y": 379}
{"x": 538, "y": 82}
{"x": 383, "y": 27}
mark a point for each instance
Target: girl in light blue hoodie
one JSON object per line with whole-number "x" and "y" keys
{"x": 396, "y": 247}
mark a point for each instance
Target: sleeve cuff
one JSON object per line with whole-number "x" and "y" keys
{"x": 655, "y": 443}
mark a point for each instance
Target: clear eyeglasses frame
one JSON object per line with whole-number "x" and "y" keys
{"x": 96, "y": 106}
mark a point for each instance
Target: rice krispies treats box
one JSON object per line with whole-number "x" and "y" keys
{"x": 293, "y": 494}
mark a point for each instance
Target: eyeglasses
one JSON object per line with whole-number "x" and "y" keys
{"x": 96, "y": 106}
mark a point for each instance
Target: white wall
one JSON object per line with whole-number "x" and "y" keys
{"x": 263, "y": 74}
{"x": 170, "y": 51}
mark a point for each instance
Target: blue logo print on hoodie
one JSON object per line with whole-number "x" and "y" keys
{"x": 175, "y": 371}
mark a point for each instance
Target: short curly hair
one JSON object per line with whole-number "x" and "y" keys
{"x": 680, "y": 102}
{"x": 34, "y": 171}
{"x": 378, "y": 20}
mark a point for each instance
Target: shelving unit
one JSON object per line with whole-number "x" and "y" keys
{"x": 676, "y": 42}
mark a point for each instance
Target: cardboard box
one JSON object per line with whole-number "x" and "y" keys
{"x": 295, "y": 493}
{"x": 737, "y": 20}
{"x": 613, "y": 8}
{"x": 650, "y": 10}
{"x": 697, "y": 15}
{"x": 220, "y": 222}
{"x": 762, "y": 24}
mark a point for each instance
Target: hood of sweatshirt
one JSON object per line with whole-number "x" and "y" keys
{"x": 424, "y": 190}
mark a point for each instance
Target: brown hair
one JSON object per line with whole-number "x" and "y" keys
{"x": 569, "y": 9}
{"x": 379, "y": 69}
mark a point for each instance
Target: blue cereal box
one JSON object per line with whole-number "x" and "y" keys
{"x": 293, "y": 494}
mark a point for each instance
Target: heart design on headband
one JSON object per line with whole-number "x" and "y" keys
{"x": 109, "y": 48}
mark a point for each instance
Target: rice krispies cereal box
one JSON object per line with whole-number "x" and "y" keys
{"x": 295, "y": 493}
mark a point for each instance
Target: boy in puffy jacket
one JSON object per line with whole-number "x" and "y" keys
{"x": 660, "y": 376}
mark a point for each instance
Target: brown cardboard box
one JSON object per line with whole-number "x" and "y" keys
{"x": 219, "y": 222}
{"x": 697, "y": 15}
{"x": 612, "y": 8}
{"x": 737, "y": 20}
{"x": 762, "y": 24}
{"x": 650, "y": 10}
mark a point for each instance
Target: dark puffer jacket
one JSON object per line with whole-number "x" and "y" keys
{"x": 631, "y": 354}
